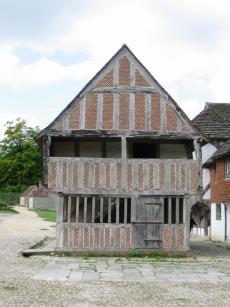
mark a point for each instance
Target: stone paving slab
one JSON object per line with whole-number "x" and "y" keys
{"x": 128, "y": 270}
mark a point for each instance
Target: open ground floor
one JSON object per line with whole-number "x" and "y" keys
{"x": 201, "y": 279}
{"x": 118, "y": 223}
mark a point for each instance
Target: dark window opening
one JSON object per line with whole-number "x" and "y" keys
{"x": 173, "y": 211}
{"x": 113, "y": 210}
{"x": 65, "y": 210}
{"x": 97, "y": 209}
{"x": 218, "y": 212}
{"x": 181, "y": 210}
{"x": 81, "y": 210}
{"x": 121, "y": 210}
{"x": 129, "y": 210}
{"x": 166, "y": 216}
{"x": 73, "y": 210}
{"x": 105, "y": 210}
{"x": 143, "y": 150}
{"x": 89, "y": 210}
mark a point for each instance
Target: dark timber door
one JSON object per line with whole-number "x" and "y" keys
{"x": 148, "y": 223}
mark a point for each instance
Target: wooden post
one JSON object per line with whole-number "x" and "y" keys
{"x": 85, "y": 209}
{"x": 69, "y": 209}
{"x": 123, "y": 148}
{"x": 109, "y": 210}
{"x": 177, "y": 210}
{"x": 197, "y": 147}
{"x": 77, "y": 209}
{"x": 169, "y": 210}
{"x": 101, "y": 209}
{"x": 117, "y": 210}
{"x": 123, "y": 162}
{"x": 93, "y": 209}
{"x": 46, "y": 155}
{"x": 125, "y": 210}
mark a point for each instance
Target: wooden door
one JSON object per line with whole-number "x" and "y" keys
{"x": 148, "y": 223}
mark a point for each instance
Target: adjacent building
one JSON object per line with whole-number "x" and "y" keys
{"x": 24, "y": 197}
{"x": 214, "y": 123}
{"x": 37, "y": 197}
{"x": 119, "y": 161}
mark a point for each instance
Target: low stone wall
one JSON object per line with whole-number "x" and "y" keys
{"x": 43, "y": 203}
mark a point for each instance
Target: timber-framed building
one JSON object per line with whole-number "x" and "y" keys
{"x": 119, "y": 159}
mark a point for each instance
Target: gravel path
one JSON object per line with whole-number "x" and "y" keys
{"x": 19, "y": 286}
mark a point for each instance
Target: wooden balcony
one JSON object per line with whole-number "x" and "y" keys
{"x": 117, "y": 176}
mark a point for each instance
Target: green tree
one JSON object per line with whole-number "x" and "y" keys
{"x": 20, "y": 157}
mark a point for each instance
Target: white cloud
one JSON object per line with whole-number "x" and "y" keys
{"x": 14, "y": 73}
{"x": 189, "y": 71}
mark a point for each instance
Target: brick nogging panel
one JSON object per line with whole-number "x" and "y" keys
{"x": 220, "y": 187}
{"x": 107, "y": 81}
{"x": 107, "y": 115}
{"x": 91, "y": 111}
{"x": 139, "y": 112}
{"x": 124, "y": 72}
{"x": 140, "y": 80}
{"x": 87, "y": 175}
{"x": 74, "y": 118}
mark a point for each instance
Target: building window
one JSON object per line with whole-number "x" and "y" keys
{"x": 173, "y": 210}
{"x": 227, "y": 169}
{"x": 218, "y": 212}
{"x": 96, "y": 209}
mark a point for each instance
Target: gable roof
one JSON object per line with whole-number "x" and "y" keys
{"x": 214, "y": 121}
{"x": 30, "y": 190}
{"x": 222, "y": 152}
{"x": 41, "y": 192}
{"x": 89, "y": 86}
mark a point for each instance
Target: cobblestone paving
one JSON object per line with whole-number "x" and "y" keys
{"x": 119, "y": 270}
{"x": 200, "y": 280}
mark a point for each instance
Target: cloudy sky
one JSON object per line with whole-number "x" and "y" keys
{"x": 50, "y": 48}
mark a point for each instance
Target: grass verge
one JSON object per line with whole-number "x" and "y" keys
{"x": 49, "y": 216}
{"x": 8, "y": 211}
{"x": 157, "y": 256}
{"x": 40, "y": 243}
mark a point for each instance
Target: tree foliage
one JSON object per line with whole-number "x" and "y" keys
{"x": 20, "y": 157}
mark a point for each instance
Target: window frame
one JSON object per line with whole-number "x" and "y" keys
{"x": 218, "y": 212}
{"x": 227, "y": 168}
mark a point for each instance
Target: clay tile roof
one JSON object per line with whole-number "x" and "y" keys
{"x": 29, "y": 190}
{"x": 214, "y": 121}
{"x": 222, "y": 152}
{"x": 41, "y": 192}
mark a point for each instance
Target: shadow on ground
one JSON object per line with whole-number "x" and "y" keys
{"x": 203, "y": 248}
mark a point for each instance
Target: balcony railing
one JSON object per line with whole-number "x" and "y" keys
{"x": 115, "y": 176}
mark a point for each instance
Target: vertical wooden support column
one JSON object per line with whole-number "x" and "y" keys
{"x": 77, "y": 209}
{"x": 169, "y": 210}
{"x": 109, "y": 210}
{"x": 46, "y": 155}
{"x": 101, "y": 209}
{"x": 177, "y": 210}
{"x": 197, "y": 147}
{"x": 117, "y": 210}
{"x": 59, "y": 226}
{"x": 125, "y": 210}
{"x": 85, "y": 209}
{"x": 123, "y": 162}
{"x": 93, "y": 209}
{"x": 69, "y": 209}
